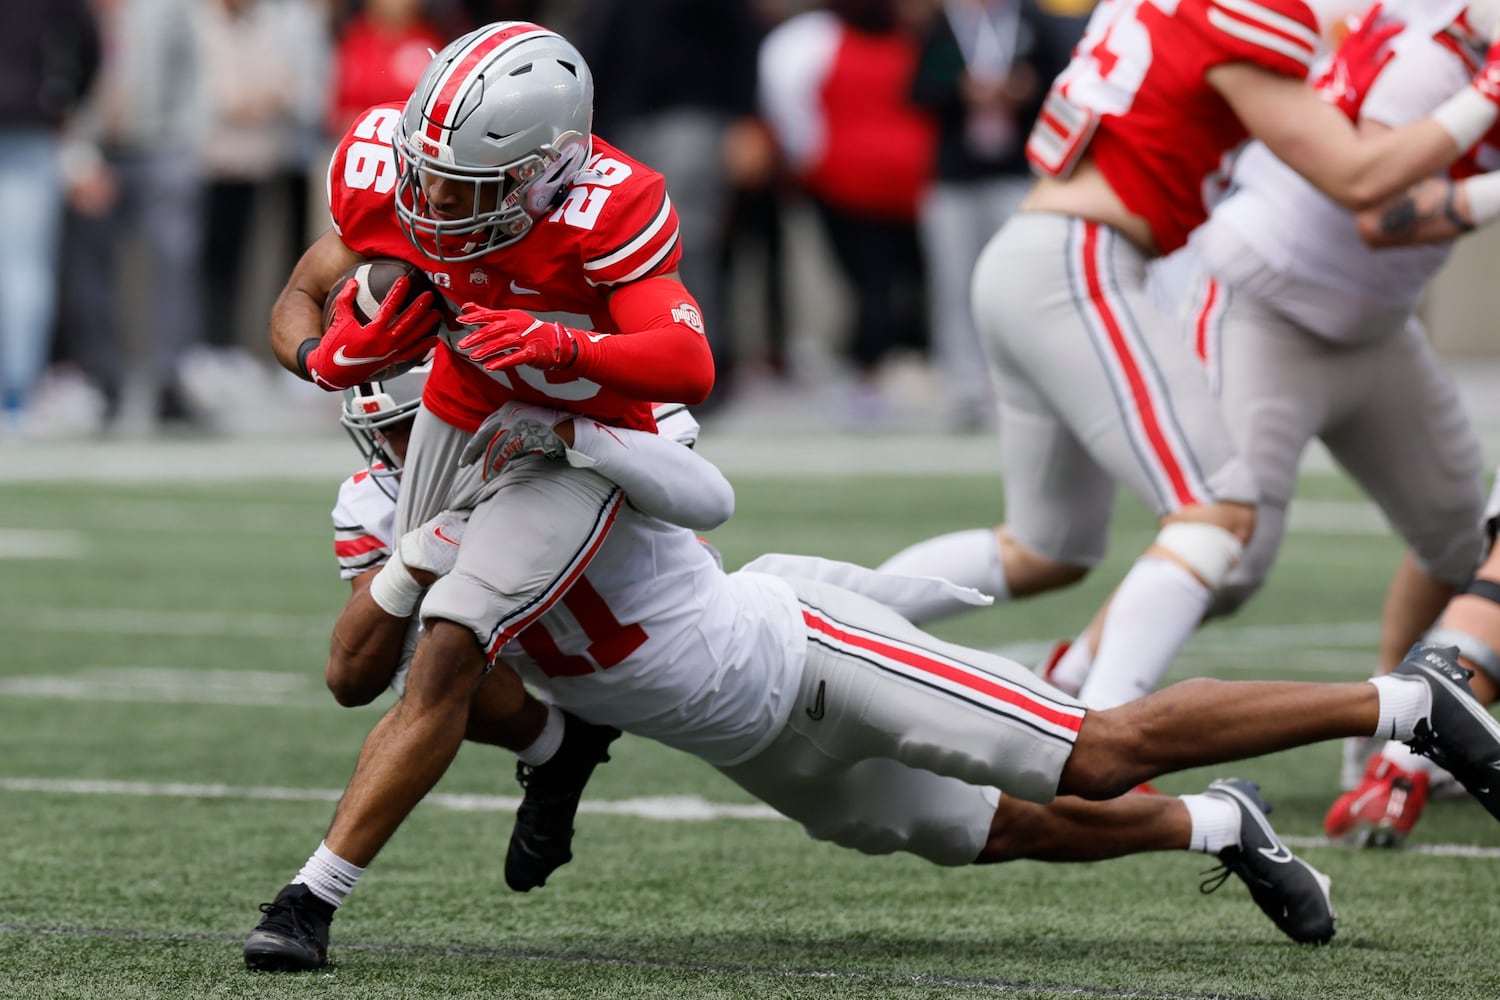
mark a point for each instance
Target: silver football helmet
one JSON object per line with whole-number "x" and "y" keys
{"x": 506, "y": 111}
{"x": 371, "y": 408}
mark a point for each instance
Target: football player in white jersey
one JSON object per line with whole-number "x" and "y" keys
{"x": 1097, "y": 386}
{"x": 800, "y": 680}
{"x": 557, "y": 751}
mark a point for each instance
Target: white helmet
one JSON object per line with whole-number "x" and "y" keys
{"x": 371, "y": 407}
{"x": 509, "y": 105}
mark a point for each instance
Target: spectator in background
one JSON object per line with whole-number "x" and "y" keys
{"x": 49, "y": 54}
{"x": 134, "y": 171}
{"x": 835, "y": 87}
{"x": 687, "y": 115}
{"x": 379, "y": 55}
{"x": 266, "y": 73}
{"x": 985, "y": 67}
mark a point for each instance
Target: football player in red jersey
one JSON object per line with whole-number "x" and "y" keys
{"x": 1097, "y": 387}
{"x": 555, "y": 258}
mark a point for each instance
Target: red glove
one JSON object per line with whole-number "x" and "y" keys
{"x": 352, "y": 352}
{"x": 1359, "y": 59}
{"x": 1487, "y": 81}
{"x": 506, "y": 338}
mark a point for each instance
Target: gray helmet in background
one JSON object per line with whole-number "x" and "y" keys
{"x": 510, "y": 104}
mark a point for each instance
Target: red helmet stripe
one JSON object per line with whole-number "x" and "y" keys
{"x": 461, "y": 75}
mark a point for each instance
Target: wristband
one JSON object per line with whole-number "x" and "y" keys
{"x": 394, "y": 589}
{"x": 303, "y": 350}
{"x": 1466, "y": 117}
{"x": 1483, "y": 191}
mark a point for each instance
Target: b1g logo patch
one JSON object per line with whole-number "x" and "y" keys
{"x": 688, "y": 315}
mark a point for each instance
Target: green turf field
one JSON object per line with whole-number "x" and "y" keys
{"x": 168, "y": 759}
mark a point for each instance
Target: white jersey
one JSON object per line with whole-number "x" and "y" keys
{"x": 364, "y": 522}
{"x": 1290, "y": 244}
{"x": 715, "y": 672}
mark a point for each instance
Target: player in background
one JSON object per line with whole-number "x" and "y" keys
{"x": 1381, "y": 809}
{"x": 555, "y": 256}
{"x": 800, "y": 680}
{"x": 1098, "y": 388}
{"x": 1307, "y": 333}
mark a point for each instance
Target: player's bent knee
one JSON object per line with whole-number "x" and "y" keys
{"x": 1209, "y": 551}
{"x": 448, "y": 663}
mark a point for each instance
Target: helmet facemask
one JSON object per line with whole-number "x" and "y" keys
{"x": 504, "y": 204}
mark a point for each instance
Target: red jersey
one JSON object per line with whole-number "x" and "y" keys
{"x": 1162, "y": 137}
{"x": 615, "y": 224}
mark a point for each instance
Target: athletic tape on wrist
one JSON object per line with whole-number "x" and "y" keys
{"x": 1466, "y": 117}
{"x": 1484, "y": 198}
{"x": 394, "y": 589}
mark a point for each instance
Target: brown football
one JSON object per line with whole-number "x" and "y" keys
{"x": 375, "y": 276}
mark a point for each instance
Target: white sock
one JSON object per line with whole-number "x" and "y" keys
{"x": 1072, "y": 668}
{"x": 1216, "y": 823}
{"x": 1153, "y": 613}
{"x": 1403, "y": 701}
{"x": 328, "y": 876}
{"x": 968, "y": 558}
{"x": 547, "y": 741}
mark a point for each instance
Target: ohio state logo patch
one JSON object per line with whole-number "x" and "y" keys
{"x": 688, "y": 315}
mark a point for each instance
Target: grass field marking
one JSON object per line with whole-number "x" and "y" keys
{"x": 620, "y": 961}
{"x": 659, "y": 808}
{"x": 172, "y": 686}
{"x": 142, "y": 621}
{"x": 24, "y": 543}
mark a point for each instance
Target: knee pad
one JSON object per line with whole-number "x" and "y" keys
{"x": 1470, "y": 646}
{"x": 1207, "y": 549}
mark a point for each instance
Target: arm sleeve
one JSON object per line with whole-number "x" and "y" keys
{"x": 661, "y": 352}
{"x": 661, "y": 477}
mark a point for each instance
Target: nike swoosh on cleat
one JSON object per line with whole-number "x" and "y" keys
{"x": 340, "y": 358}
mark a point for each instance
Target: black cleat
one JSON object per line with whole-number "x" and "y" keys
{"x": 1290, "y": 891}
{"x": 542, "y": 840}
{"x": 292, "y": 936}
{"x": 1458, "y": 733}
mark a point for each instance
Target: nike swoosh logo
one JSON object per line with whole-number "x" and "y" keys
{"x": 439, "y": 532}
{"x": 816, "y": 712}
{"x": 1280, "y": 855}
{"x": 519, "y": 290}
{"x": 340, "y": 358}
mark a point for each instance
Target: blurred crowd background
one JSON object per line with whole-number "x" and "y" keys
{"x": 836, "y": 166}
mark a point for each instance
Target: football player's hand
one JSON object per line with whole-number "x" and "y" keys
{"x": 352, "y": 352}
{"x": 1359, "y": 59}
{"x": 432, "y": 548}
{"x": 515, "y": 429}
{"x": 505, "y": 338}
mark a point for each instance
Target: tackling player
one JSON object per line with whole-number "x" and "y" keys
{"x": 557, "y": 752}
{"x": 535, "y": 233}
{"x": 800, "y": 680}
{"x": 1097, "y": 387}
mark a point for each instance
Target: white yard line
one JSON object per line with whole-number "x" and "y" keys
{"x": 662, "y": 808}
{"x": 20, "y": 543}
